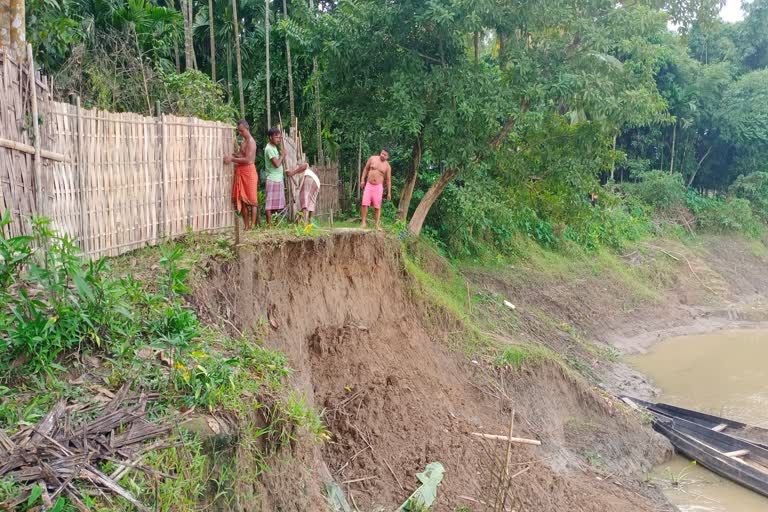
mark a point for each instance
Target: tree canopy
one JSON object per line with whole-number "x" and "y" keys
{"x": 528, "y": 106}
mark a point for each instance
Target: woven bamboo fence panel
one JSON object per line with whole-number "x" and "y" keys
{"x": 116, "y": 181}
{"x": 17, "y": 184}
{"x": 328, "y": 199}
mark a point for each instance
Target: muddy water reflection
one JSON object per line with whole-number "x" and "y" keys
{"x": 726, "y": 374}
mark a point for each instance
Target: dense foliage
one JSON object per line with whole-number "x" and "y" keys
{"x": 503, "y": 117}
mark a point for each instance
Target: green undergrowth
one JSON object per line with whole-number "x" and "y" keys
{"x": 484, "y": 328}
{"x": 473, "y": 316}
{"x": 74, "y": 329}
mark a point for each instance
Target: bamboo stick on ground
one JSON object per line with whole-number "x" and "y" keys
{"x": 518, "y": 440}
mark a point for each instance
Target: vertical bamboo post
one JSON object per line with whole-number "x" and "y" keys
{"x": 161, "y": 204}
{"x": 81, "y": 177}
{"x": 190, "y": 175}
{"x": 38, "y": 161}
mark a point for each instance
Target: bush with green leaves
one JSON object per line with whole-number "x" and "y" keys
{"x": 194, "y": 94}
{"x": 53, "y": 302}
{"x": 753, "y": 187}
{"x": 659, "y": 189}
{"x": 718, "y": 215}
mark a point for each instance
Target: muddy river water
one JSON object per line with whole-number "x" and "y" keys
{"x": 723, "y": 373}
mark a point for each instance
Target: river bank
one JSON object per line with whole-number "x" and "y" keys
{"x": 627, "y": 302}
{"x": 402, "y": 355}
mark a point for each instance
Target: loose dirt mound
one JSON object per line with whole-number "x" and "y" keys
{"x": 395, "y": 398}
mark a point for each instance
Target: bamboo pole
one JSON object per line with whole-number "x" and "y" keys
{"x": 38, "y": 162}
{"x": 162, "y": 217}
{"x": 518, "y": 440}
{"x": 81, "y": 177}
{"x": 266, "y": 35}
{"x": 30, "y": 150}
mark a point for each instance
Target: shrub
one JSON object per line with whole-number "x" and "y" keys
{"x": 52, "y": 302}
{"x": 192, "y": 93}
{"x": 753, "y": 187}
{"x": 720, "y": 216}
{"x": 659, "y": 189}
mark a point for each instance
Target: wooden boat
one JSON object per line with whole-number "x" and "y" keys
{"x": 749, "y": 433}
{"x": 730, "y": 457}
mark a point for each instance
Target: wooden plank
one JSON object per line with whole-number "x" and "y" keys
{"x": 720, "y": 427}
{"x": 737, "y": 453}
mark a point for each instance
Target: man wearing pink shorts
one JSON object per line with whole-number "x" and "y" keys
{"x": 376, "y": 170}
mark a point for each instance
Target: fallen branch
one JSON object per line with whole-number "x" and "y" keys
{"x": 358, "y": 480}
{"x": 508, "y": 439}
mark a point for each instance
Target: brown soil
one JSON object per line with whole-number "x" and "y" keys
{"x": 396, "y": 398}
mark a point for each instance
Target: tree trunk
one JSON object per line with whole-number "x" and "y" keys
{"x": 238, "y": 58}
{"x": 410, "y": 182}
{"x": 420, "y": 215}
{"x": 318, "y": 113}
{"x": 143, "y": 73}
{"x": 229, "y": 72}
{"x": 5, "y": 25}
{"x": 291, "y": 104}
{"x": 189, "y": 51}
{"x": 172, "y": 5}
{"x": 477, "y": 47}
{"x": 613, "y": 158}
{"x": 674, "y": 139}
{"x": 318, "y": 122}
{"x": 17, "y": 29}
{"x": 417, "y": 221}
{"x": 502, "y": 50}
{"x": 212, "y": 31}
{"x": 698, "y": 166}
{"x": 359, "y": 166}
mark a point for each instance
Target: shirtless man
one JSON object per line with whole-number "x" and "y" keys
{"x": 245, "y": 185}
{"x": 376, "y": 170}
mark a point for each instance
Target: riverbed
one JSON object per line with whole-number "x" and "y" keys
{"x": 723, "y": 373}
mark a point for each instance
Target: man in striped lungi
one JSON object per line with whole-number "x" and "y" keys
{"x": 274, "y": 159}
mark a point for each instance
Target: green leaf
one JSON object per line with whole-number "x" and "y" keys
{"x": 35, "y": 495}
{"x": 83, "y": 288}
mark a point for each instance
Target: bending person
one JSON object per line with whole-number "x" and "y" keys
{"x": 309, "y": 189}
{"x": 245, "y": 186}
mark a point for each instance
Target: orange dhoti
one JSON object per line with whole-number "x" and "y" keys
{"x": 245, "y": 186}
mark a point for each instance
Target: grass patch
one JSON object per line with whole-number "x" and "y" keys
{"x": 517, "y": 357}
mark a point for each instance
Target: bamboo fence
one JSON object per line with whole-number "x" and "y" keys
{"x": 115, "y": 182}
